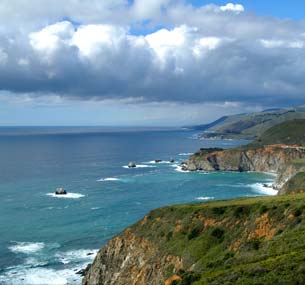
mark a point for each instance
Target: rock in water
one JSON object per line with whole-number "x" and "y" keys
{"x": 83, "y": 272}
{"x": 132, "y": 165}
{"x": 172, "y": 160}
{"x": 60, "y": 191}
{"x": 158, "y": 160}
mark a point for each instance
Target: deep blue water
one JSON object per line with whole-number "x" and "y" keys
{"x": 44, "y": 239}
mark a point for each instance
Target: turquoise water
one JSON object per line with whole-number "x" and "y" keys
{"x": 45, "y": 239}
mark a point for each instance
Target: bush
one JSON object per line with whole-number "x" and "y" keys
{"x": 217, "y": 233}
{"x": 297, "y": 212}
{"x": 219, "y": 210}
{"x": 195, "y": 232}
{"x": 239, "y": 211}
{"x": 263, "y": 209}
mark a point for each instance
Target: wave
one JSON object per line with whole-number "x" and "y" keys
{"x": 178, "y": 168}
{"x": 204, "y": 198}
{"x": 186, "y": 153}
{"x": 27, "y": 247}
{"x": 138, "y": 166}
{"x": 161, "y": 162}
{"x": 108, "y": 179}
{"x": 67, "y": 196}
{"x": 79, "y": 256}
{"x": 262, "y": 189}
{"x": 34, "y": 270}
{"x": 38, "y": 276}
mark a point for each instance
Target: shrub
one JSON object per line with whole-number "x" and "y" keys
{"x": 263, "y": 209}
{"x": 218, "y": 233}
{"x": 195, "y": 232}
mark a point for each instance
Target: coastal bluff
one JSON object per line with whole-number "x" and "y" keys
{"x": 279, "y": 150}
{"x": 243, "y": 241}
{"x": 271, "y": 158}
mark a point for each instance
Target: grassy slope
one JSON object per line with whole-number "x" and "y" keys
{"x": 244, "y": 241}
{"x": 254, "y": 124}
{"x": 290, "y": 132}
{"x": 295, "y": 184}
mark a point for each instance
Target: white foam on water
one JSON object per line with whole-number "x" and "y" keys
{"x": 161, "y": 162}
{"x": 34, "y": 262}
{"x": 95, "y": 208}
{"x": 80, "y": 255}
{"x": 66, "y": 196}
{"x": 27, "y": 247}
{"x": 204, "y": 198}
{"x": 34, "y": 271}
{"x": 261, "y": 189}
{"x": 185, "y": 153}
{"x": 108, "y": 179}
{"x": 178, "y": 168}
{"x": 138, "y": 166}
{"x": 40, "y": 276}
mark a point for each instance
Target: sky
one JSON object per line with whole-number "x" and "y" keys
{"x": 148, "y": 62}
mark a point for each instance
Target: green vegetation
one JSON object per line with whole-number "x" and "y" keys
{"x": 290, "y": 132}
{"x": 251, "y": 126}
{"x": 298, "y": 162}
{"x": 244, "y": 241}
{"x": 295, "y": 184}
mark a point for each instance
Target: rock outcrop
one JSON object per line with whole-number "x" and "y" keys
{"x": 60, "y": 191}
{"x": 129, "y": 259}
{"x": 132, "y": 164}
{"x": 271, "y": 158}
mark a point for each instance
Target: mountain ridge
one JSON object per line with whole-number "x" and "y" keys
{"x": 250, "y": 125}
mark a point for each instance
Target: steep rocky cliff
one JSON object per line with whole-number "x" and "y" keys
{"x": 131, "y": 259}
{"x": 272, "y": 158}
{"x": 245, "y": 241}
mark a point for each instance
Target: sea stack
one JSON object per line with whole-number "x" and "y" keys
{"x": 132, "y": 165}
{"x": 60, "y": 191}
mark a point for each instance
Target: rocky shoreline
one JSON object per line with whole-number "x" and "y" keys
{"x": 271, "y": 158}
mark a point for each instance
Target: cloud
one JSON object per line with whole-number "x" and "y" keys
{"x": 282, "y": 44}
{"x": 3, "y": 57}
{"x": 186, "y": 54}
{"x": 232, "y": 7}
{"x": 148, "y": 9}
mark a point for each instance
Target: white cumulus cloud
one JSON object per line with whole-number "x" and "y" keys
{"x": 238, "y": 8}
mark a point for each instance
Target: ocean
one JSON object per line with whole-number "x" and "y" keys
{"x": 46, "y": 239}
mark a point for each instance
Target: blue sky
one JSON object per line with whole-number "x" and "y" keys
{"x": 294, "y": 9}
{"x": 151, "y": 63}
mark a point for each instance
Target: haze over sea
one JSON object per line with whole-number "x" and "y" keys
{"x": 45, "y": 239}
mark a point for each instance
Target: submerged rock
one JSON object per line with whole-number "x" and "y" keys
{"x": 83, "y": 272}
{"x": 132, "y": 165}
{"x": 60, "y": 191}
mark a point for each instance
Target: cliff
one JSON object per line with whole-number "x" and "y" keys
{"x": 272, "y": 158}
{"x": 244, "y": 241}
{"x": 272, "y": 152}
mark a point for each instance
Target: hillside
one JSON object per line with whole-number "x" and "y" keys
{"x": 274, "y": 151}
{"x": 250, "y": 126}
{"x": 296, "y": 184}
{"x": 290, "y": 133}
{"x": 244, "y": 241}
